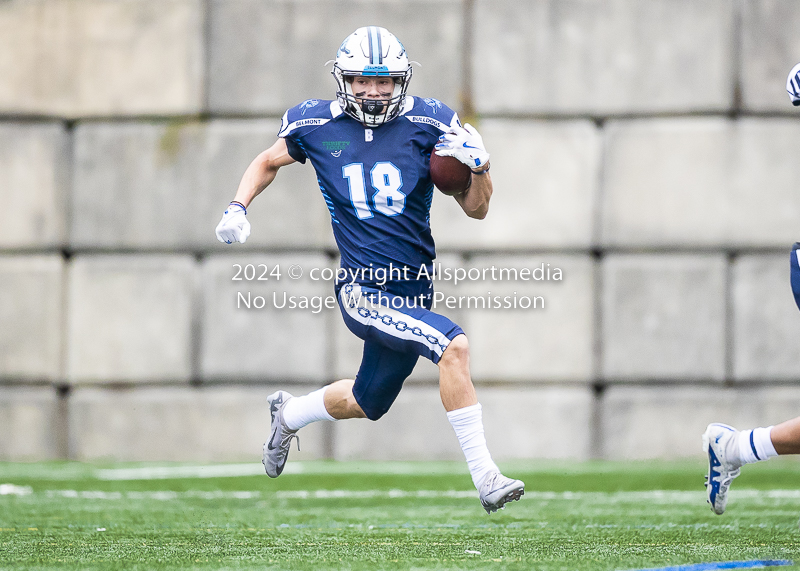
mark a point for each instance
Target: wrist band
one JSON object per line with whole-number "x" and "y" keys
{"x": 237, "y": 203}
{"x": 484, "y": 171}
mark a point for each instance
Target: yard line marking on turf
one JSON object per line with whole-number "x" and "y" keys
{"x": 369, "y": 494}
{"x": 11, "y": 472}
{"x": 170, "y": 472}
{"x": 755, "y": 564}
{"x": 256, "y": 469}
{"x": 155, "y": 495}
{"x": 12, "y": 490}
{"x": 652, "y": 496}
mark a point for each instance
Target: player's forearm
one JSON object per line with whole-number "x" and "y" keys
{"x": 261, "y": 172}
{"x": 258, "y": 176}
{"x": 475, "y": 202}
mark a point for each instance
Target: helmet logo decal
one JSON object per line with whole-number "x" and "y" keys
{"x": 343, "y": 48}
{"x": 308, "y": 104}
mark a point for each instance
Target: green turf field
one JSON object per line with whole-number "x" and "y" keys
{"x": 389, "y": 516}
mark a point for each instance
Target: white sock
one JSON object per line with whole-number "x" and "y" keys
{"x": 468, "y": 424}
{"x": 756, "y": 445}
{"x": 300, "y": 411}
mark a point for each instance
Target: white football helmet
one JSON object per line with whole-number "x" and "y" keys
{"x": 371, "y": 51}
{"x": 793, "y": 85}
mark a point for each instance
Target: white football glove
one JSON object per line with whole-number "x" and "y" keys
{"x": 793, "y": 85}
{"x": 234, "y": 226}
{"x": 465, "y": 144}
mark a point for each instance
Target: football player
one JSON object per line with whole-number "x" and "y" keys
{"x": 370, "y": 148}
{"x": 729, "y": 449}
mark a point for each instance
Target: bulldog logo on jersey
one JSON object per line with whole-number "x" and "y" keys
{"x": 308, "y": 104}
{"x": 434, "y": 104}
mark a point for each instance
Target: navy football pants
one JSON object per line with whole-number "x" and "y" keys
{"x": 397, "y": 326}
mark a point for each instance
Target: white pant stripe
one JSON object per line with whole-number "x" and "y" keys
{"x": 396, "y": 316}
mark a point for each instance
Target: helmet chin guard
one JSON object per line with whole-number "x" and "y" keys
{"x": 371, "y": 52}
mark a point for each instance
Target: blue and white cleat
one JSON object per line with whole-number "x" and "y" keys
{"x": 496, "y": 490}
{"x": 720, "y": 442}
{"x": 276, "y": 448}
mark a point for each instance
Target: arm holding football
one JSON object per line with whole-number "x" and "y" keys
{"x": 475, "y": 200}
{"x": 234, "y": 226}
{"x": 466, "y": 145}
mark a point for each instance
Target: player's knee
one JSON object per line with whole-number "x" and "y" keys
{"x": 371, "y": 407}
{"x": 375, "y": 412}
{"x": 457, "y": 351}
{"x": 354, "y": 410}
{"x": 376, "y": 415}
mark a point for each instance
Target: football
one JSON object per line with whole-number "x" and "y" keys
{"x": 450, "y": 175}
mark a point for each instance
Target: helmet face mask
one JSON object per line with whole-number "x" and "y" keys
{"x": 371, "y": 52}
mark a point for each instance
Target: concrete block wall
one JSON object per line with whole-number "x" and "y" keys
{"x": 99, "y": 57}
{"x": 620, "y": 56}
{"x": 700, "y": 182}
{"x": 647, "y": 150}
{"x": 662, "y": 317}
{"x": 178, "y": 423}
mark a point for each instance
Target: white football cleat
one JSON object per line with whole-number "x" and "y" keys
{"x": 276, "y": 448}
{"x": 496, "y": 490}
{"x": 720, "y": 443}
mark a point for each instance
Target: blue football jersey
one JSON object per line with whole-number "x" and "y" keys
{"x": 376, "y": 181}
